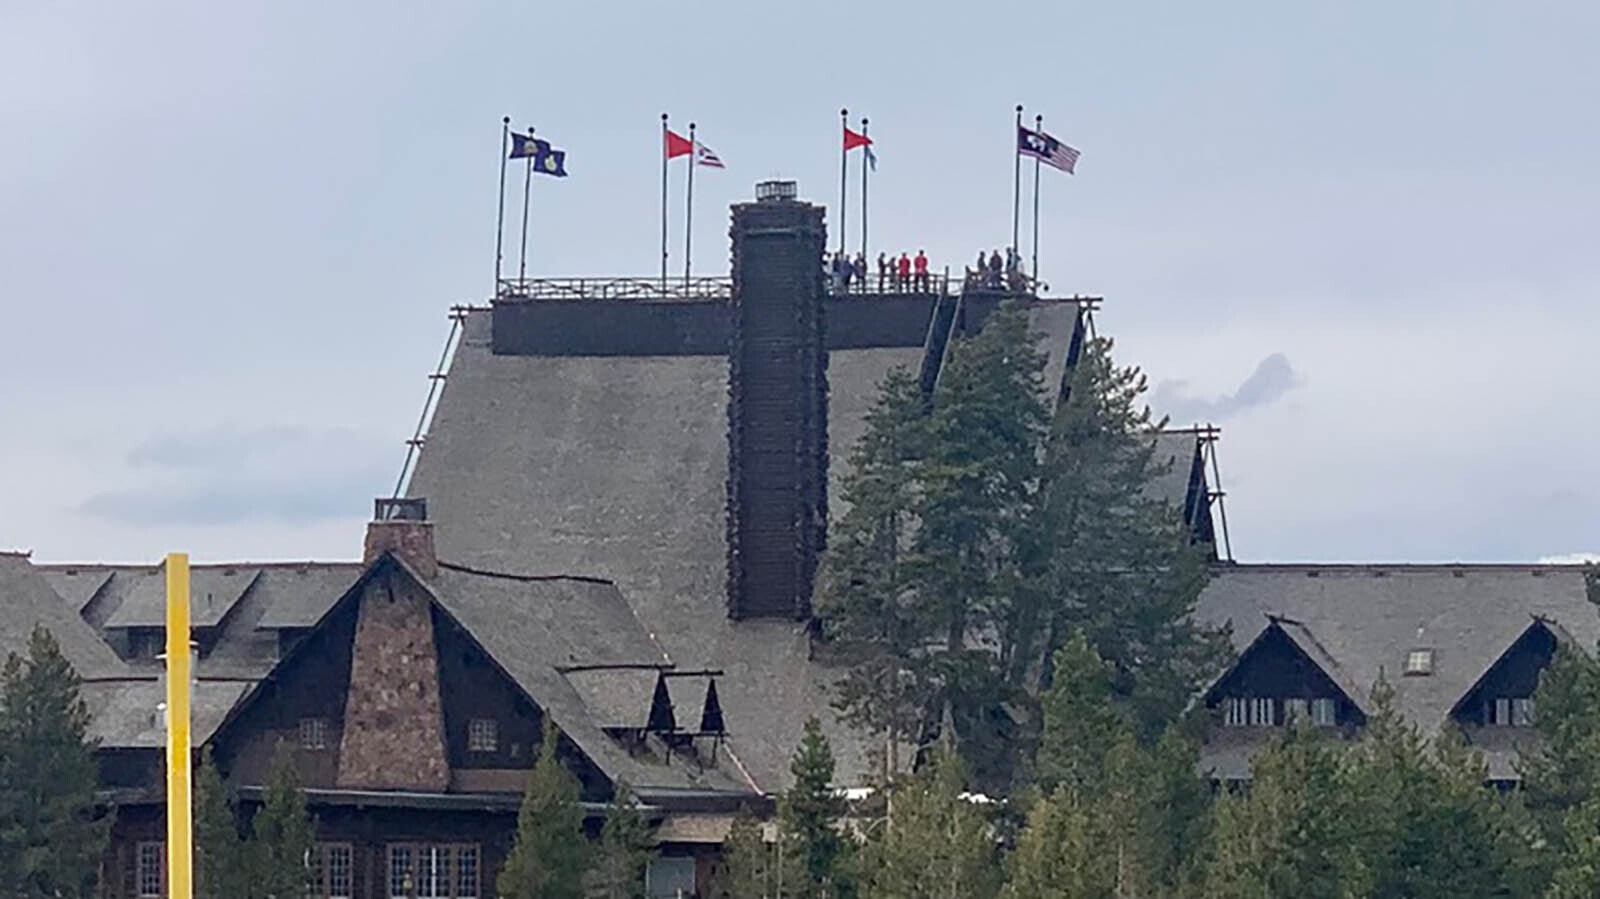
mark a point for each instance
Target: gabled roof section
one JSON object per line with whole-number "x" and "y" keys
{"x": 26, "y": 600}
{"x": 1367, "y": 617}
{"x": 618, "y": 697}
{"x": 1301, "y": 638}
{"x": 213, "y": 591}
{"x": 298, "y": 596}
{"x": 75, "y": 584}
{"x": 126, "y": 713}
{"x": 1538, "y": 630}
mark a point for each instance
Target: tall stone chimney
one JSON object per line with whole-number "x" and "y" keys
{"x": 401, "y": 525}
{"x": 778, "y": 406}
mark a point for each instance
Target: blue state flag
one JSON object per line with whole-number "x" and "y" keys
{"x": 547, "y": 160}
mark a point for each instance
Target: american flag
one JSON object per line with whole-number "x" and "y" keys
{"x": 1046, "y": 149}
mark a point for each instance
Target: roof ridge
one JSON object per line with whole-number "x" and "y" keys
{"x": 511, "y": 576}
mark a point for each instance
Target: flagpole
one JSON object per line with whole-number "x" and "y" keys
{"x": 527, "y": 194}
{"x": 864, "y": 166}
{"x": 664, "y": 202}
{"x": 500, "y": 217}
{"x": 1016, "y": 186}
{"x": 844, "y": 173}
{"x": 1038, "y": 125}
{"x": 688, "y": 207}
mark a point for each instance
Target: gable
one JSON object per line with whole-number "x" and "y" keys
{"x": 1515, "y": 674}
{"x": 1277, "y": 665}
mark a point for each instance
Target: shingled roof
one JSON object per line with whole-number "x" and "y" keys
{"x": 1362, "y": 620}
{"x": 617, "y": 467}
{"x": 27, "y": 600}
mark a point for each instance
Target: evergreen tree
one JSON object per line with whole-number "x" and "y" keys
{"x": 1080, "y": 723}
{"x": 624, "y": 849}
{"x": 809, "y": 818}
{"x": 748, "y": 868}
{"x": 1114, "y": 562}
{"x": 51, "y": 833}
{"x": 1293, "y": 832}
{"x": 1059, "y": 854}
{"x": 219, "y": 856}
{"x": 550, "y": 854}
{"x": 936, "y": 844}
{"x": 282, "y": 836}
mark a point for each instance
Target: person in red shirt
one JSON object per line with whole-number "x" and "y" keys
{"x": 921, "y": 265}
{"x": 902, "y": 272}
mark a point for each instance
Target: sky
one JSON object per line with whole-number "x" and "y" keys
{"x": 1358, "y": 237}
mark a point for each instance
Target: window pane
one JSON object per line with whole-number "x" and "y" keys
{"x": 1234, "y": 711}
{"x": 1296, "y": 710}
{"x": 399, "y": 869}
{"x": 668, "y": 878}
{"x": 1502, "y": 712}
{"x": 1261, "y": 712}
{"x": 483, "y": 735}
{"x": 152, "y": 857}
{"x": 467, "y": 872}
{"x": 1324, "y": 712}
{"x": 1522, "y": 712}
{"x": 336, "y": 861}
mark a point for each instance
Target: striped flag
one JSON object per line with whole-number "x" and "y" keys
{"x": 1046, "y": 149}
{"x": 704, "y": 156}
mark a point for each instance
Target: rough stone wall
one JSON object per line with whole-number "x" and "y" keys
{"x": 394, "y": 724}
{"x": 410, "y": 540}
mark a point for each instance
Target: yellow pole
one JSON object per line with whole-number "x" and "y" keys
{"x": 180, "y": 811}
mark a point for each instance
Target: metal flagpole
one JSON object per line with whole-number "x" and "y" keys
{"x": 180, "y": 780}
{"x": 864, "y": 166}
{"x": 1016, "y": 185}
{"x": 844, "y": 170}
{"x": 500, "y": 217}
{"x": 664, "y": 202}
{"x": 688, "y": 206}
{"x": 1038, "y": 125}
{"x": 527, "y": 194}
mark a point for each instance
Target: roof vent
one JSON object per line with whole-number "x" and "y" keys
{"x": 1419, "y": 663}
{"x": 777, "y": 191}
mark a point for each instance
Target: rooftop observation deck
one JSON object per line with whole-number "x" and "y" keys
{"x": 714, "y": 288}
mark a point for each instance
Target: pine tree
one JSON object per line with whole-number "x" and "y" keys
{"x": 282, "y": 835}
{"x": 1080, "y": 723}
{"x": 1114, "y": 562}
{"x": 809, "y": 818}
{"x": 51, "y": 832}
{"x": 1059, "y": 854}
{"x": 936, "y": 844}
{"x": 748, "y": 867}
{"x": 550, "y": 854}
{"x": 624, "y": 850}
{"x": 219, "y": 857}
{"x": 1293, "y": 832}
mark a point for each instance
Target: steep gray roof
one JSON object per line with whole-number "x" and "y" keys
{"x": 617, "y": 467}
{"x": 297, "y": 596}
{"x": 213, "y": 590}
{"x": 616, "y": 697}
{"x": 1175, "y": 452}
{"x": 76, "y": 584}
{"x": 26, "y": 600}
{"x": 126, "y": 713}
{"x": 1364, "y": 619}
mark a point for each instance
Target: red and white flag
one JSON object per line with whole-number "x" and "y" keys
{"x": 678, "y": 145}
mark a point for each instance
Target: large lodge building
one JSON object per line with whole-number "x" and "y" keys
{"x": 616, "y": 521}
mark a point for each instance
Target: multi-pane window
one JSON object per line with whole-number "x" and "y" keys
{"x": 1235, "y": 711}
{"x": 149, "y": 866}
{"x": 330, "y": 871}
{"x": 1508, "y": 711}
{"x": 1261, "y": 712}
{"x": 1325, "y": 712}
{"x": 1296, "y": 710}
{"x": 668, "y": 877}
{"x": 433, "y": 871}
{"x": 483, "y": 735}
{"x": 313, "y": 733}
{"x": 1522, "y": 712}
{"x": 1419, "y": 661}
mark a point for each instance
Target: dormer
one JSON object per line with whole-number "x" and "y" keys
{"x": 1285, "y": 675}
{"x": 1502, "y": 697}
{"x": 138, "y": 625}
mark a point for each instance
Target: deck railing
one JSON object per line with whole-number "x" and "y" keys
{"x": 721, "y": 288}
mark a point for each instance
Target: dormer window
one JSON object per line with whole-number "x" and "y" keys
{"x": 1419, "y": 663}
{"x": 1509, "y": 711}
{"x": 483, "y": 735}
{"x": 313, "y": 733}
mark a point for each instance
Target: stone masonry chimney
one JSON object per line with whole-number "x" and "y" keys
{"x": 402, "y": 525}
{"x": 778, "y": 406}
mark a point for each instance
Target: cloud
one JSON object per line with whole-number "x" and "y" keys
{"x": 1273, "y": 378}
{"x": 230, "y": 475}
{"x": 1570, "y": 559}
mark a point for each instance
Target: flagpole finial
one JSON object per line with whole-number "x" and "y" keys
{"x": 1038, "y": 120}
{"x": 663, "y": 117}
{"x": 1019, "y": 109}
{"x": 505, "y": 120}
{"x": 843, "y": 113}
{"x": 863, "y": 121}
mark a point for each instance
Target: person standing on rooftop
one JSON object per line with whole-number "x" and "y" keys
{"x": 921, "y": 265}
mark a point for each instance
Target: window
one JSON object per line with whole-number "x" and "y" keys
{"x": 149, "y": 869}
{"x": 1261, "y": 712}
{"x": 669, "y": 877}
{"x": 483, "y": 735}
{"x": 1296, "y": 710}
{"x": 1234, "y": 711}
{"x": 1325, "y": 712}
{"x": 1497, "y": 712}
{"x": 330, "y": 871}
{"x": 1419, "y": 662}
{"x": 433, "y": 871}
{"x": 313, "y": 733}
{"x": 1522, "y": 712}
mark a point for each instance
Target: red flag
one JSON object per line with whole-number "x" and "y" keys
{"x": 678, "y": 145}
{"x": 853, "y": 139}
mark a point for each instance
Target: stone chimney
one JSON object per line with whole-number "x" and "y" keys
{"x": 777, "y": 406}
{"x": 401, "y": 526}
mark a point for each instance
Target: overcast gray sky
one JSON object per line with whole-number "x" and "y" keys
{"x": 1359, "y": 236}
